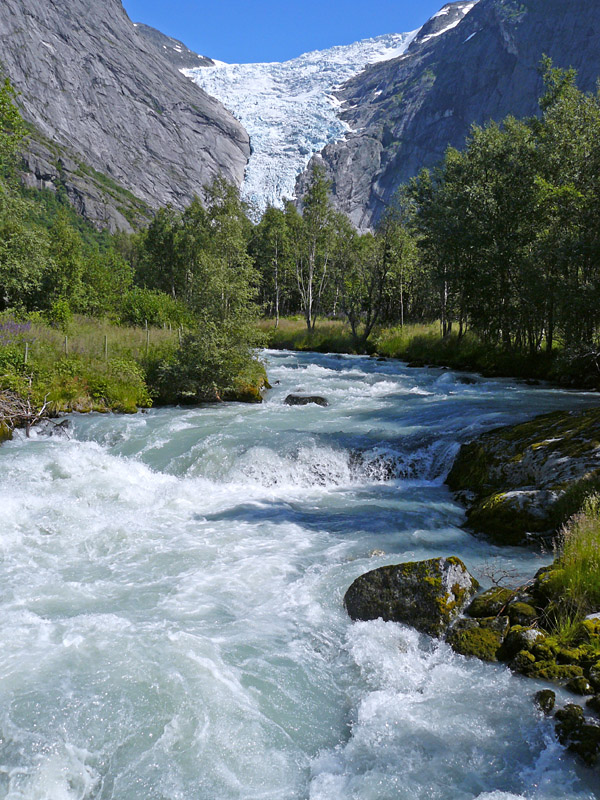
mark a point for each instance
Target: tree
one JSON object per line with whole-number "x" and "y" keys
{"x": 314, "y": 240}
{"x": 160, "y": 267}
{"x": 12, "y": 129}
{"x": 63, "y": 280}
{"x": 272, "y": 251}
{"x": 23, "y": 255}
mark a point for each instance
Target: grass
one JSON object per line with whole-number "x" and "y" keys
{"x": 577, "y": 577}
{"x": 424, "y": 344}
{"x": 329, "y": 336}
{"x": 92, "y": 365}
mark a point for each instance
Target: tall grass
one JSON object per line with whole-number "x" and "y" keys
{"x": 419, "y": 344}
{"x": 577, "y": 577}
{"x": 89, "y": 365}
{"x": 329, "y": 336}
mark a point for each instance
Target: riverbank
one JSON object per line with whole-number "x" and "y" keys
{"x": 529, "y": 479}
{"x": 547, "y": 629}
{"x": 423, "y": 345}
{"x": 93, "y": 365}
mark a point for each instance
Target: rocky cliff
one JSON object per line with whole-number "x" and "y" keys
{"x": 405, "y": 112}
{"x": 172, "y": 49}
{"x": 113, "y": 121}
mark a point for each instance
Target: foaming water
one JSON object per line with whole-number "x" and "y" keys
{"x": 172, "y": 585}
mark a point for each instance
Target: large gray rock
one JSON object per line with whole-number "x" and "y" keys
{"x": 428, "y": 595}
{"x": 404, "y": 113}
{"x": 111, "y": 114}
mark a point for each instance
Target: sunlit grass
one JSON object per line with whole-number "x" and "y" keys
{"x": 577, "y": 576}
{"x": 89, "y": 365}
{"x": 329, "y": 336}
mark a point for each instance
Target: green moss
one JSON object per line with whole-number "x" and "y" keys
{"x": 545, "y": 700}
{"x": 523, "y": 661}
{"x": 522, "y": 614}
{"x": 553, "y": 672}
{"x": 503, "y": 519}
{"x": 481, "y": 638}
{"x": 491, "y": 602}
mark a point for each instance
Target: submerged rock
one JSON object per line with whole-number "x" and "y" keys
{"x": 305, "y": 400}
{"x": 428, "y": 595}
{"x": 578, "y": 734}
{"x": 545, "y": 700}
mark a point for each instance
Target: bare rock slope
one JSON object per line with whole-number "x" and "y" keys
{"x": 112, "y": 119}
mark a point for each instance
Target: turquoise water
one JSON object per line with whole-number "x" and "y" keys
{"x": 172, "y": 583}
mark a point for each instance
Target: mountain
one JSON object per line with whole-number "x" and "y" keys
{"x": 402, "y": 114}
{"x": 289, "y": 108}
{"x": 113, "y": 121}
{"x": 172, "y": 49}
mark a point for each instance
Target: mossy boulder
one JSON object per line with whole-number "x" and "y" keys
{"x": 578, "y": 734}
{"x": 491, "y": 602}
{"x": 521, "y": 638}
{"x": 545, "y": 700}
{"x": 506, "y": 517}
{"x": 5, "y": 432}
{"x": 594, "y": 676}
{"x": 482, "y": 637}
{"x": 594, "y": 703}
{"x": 528, "y": 478}
{"x": 522, "y": 662}
{"x": 522, "y": 614}
{"x": 580, "y": 685}
{"x": 429, "y": 595}
{"x": 552, "y": 672}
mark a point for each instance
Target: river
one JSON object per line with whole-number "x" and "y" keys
{"x": 171, "y": 588}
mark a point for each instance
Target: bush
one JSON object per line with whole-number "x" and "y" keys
{"x": 208, "y": 365}
{"x": 146, "y": 306}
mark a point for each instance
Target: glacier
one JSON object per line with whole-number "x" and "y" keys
{"x": 289, "y": 108}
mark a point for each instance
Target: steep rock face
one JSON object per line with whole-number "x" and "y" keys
{"x": 404, "y": 113}
{"x": 109, "y": 112}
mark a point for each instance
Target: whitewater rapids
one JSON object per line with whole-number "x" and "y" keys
{"x": 172, "y": 582}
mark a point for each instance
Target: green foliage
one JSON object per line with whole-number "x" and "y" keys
{"x": 208, "y": 364}
{"x": 24, "y": 255}
{"x": 508, "y": 228}
{"x": 12, "y": 128}
{"x": 60, "y": 315}
{"x": 577, "y": 577}
{"x": 152, "y": 307}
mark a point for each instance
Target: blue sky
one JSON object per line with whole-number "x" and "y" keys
{"x": 265, "y": 30}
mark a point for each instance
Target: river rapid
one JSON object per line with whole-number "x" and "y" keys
{"x": 171, "y": 588}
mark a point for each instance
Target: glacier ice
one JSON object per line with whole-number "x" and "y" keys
{"x": 289, "y": 108}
